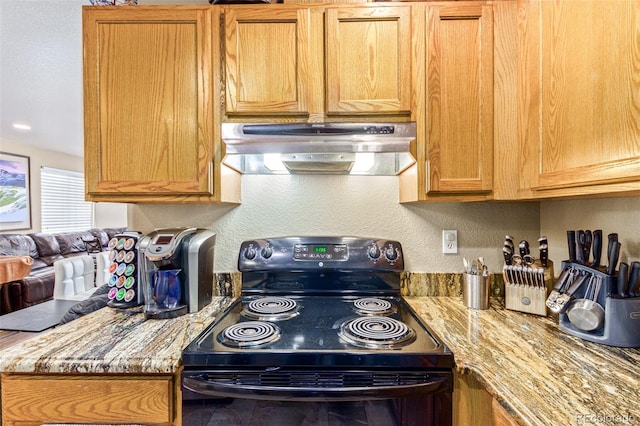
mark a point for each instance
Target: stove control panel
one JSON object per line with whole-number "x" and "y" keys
{"x": 335, "y": 252}
{"x": 311, "y": 253}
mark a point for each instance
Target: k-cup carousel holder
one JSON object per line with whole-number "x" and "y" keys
{"x": 124, "y": 281}
{"x": 615, "y": 322}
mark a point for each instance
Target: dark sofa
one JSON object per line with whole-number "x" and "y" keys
{"x": 45, "y": 249}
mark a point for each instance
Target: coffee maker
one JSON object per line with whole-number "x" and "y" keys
{"x": 176, "y": 269}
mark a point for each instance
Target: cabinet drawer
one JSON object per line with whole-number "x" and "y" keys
{"x": 53, "y": 398}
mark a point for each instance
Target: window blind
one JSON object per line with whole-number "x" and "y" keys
{"x": 62, "y": 201}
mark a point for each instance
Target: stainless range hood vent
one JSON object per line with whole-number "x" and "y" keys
{"x": 319, "y": 148}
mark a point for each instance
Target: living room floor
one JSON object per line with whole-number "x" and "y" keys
{"x": 10, "y": 338}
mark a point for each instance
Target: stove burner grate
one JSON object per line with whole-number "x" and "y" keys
{"x": 376, "y": 332}
{"x": 249, "y": 334}
{"x": 271, "y": 308}
{"x": 373, "y": 306}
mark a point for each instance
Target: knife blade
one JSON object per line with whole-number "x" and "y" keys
{"x": 623, "y": 279}
{"x": 571, "y": 244}
{"x": 634, "y": 280}
{"x": 597, "y": 248}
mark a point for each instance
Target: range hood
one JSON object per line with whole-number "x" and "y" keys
{"x": 319, "y": 148}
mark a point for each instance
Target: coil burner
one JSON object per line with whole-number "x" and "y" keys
{"x": 271, "y": 308}
{"x": 373, "y": 306}
{"x": 249, "y": 334}
{"x": 376, "y": 332}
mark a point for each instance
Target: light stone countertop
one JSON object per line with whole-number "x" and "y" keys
{"x": 111, "y": 341}
{"x": 541, "y": 375}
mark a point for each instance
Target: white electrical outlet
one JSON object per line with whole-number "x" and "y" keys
{"x": 449, "y": 241}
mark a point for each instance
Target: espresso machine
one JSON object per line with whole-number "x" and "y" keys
{"x": 176, "y": 269}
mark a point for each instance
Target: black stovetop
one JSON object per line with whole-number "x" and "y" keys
{"x": 324, "y": 275}
{"x": 311, "y": 339}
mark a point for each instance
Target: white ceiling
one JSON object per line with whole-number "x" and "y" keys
{"x": 41, "y": 71}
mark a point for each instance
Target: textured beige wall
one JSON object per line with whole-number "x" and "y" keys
{"x": 350, "y": 205}
{"x": 621, "y": 215}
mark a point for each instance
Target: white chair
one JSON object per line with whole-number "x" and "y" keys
{"x": 102, "y": 268}
{"x": 74, "y": 278}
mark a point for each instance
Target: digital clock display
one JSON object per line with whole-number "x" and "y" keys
{"x": 320, "y": 252}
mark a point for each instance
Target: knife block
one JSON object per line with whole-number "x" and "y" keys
{"x": 527, "y": 298}
{"x": 621, "y": 325}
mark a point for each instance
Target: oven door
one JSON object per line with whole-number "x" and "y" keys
{"x": 317, "y": 396}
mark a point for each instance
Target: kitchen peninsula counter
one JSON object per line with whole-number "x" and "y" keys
{"x": 539, "y": 374}
{"x": 111, "y": 341}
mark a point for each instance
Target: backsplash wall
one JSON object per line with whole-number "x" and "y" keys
{"x": 621, "y": 215}
{"x": 349, "y": 205}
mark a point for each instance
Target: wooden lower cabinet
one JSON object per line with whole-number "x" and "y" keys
{"x": 34, "y": 399}
{"x": 474, "y": 406}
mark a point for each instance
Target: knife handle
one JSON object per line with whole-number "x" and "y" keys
{"x": 579, "y": 245}
{"x": 571, "y": 244}
{"x": 614, "y": 253}
{"x": 597, "y": 248}
{"x": 507, "y": 253}
{"x": 633, "y": 289}
{"x": 524, "y": 248}
{"x": 544, "y": 254}
{"x": 586, "y": 245}
{"x": 623, "y": 282}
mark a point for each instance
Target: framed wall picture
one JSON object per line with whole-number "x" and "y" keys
{"x": 15, "y": 192}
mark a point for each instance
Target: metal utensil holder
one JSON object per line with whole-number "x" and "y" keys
{"x": 621, "y": 325}
{"x": 528, "y": 298}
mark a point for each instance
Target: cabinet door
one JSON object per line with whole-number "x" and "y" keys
{"x": 267, "y": 53}
{"x": 89, "y": 399}
{"x": 580, "y": 123}
{"x": 148, "y": 102}
{"x": 368, "y": 60}
{"x": 459, "y": 98}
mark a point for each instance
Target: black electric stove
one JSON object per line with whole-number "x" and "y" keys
{"x": 321, "y": 319}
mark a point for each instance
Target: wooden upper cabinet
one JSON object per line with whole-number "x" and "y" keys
{"x": 148, "y": 98}
{"x": 580, "y": 115}
{"x": 368, "y": 60}
{"x": 276, "y": 57}
{"x": 267, "y": 60}
{"x": 459, "y": 98}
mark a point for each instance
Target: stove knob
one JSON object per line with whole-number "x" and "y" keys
{"x": 266, "y": 252}
{"x": 250, "y": 253}
{"x": 391, "y": 253}
{"x": 374, "y": 252}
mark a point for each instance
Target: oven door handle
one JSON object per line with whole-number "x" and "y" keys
{"x": 199, "y": 384}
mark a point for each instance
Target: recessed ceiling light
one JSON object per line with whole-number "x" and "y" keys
{"x": 21, "y": 126}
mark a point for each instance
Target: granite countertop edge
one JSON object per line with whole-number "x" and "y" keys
{"x": 110, "y": 341}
